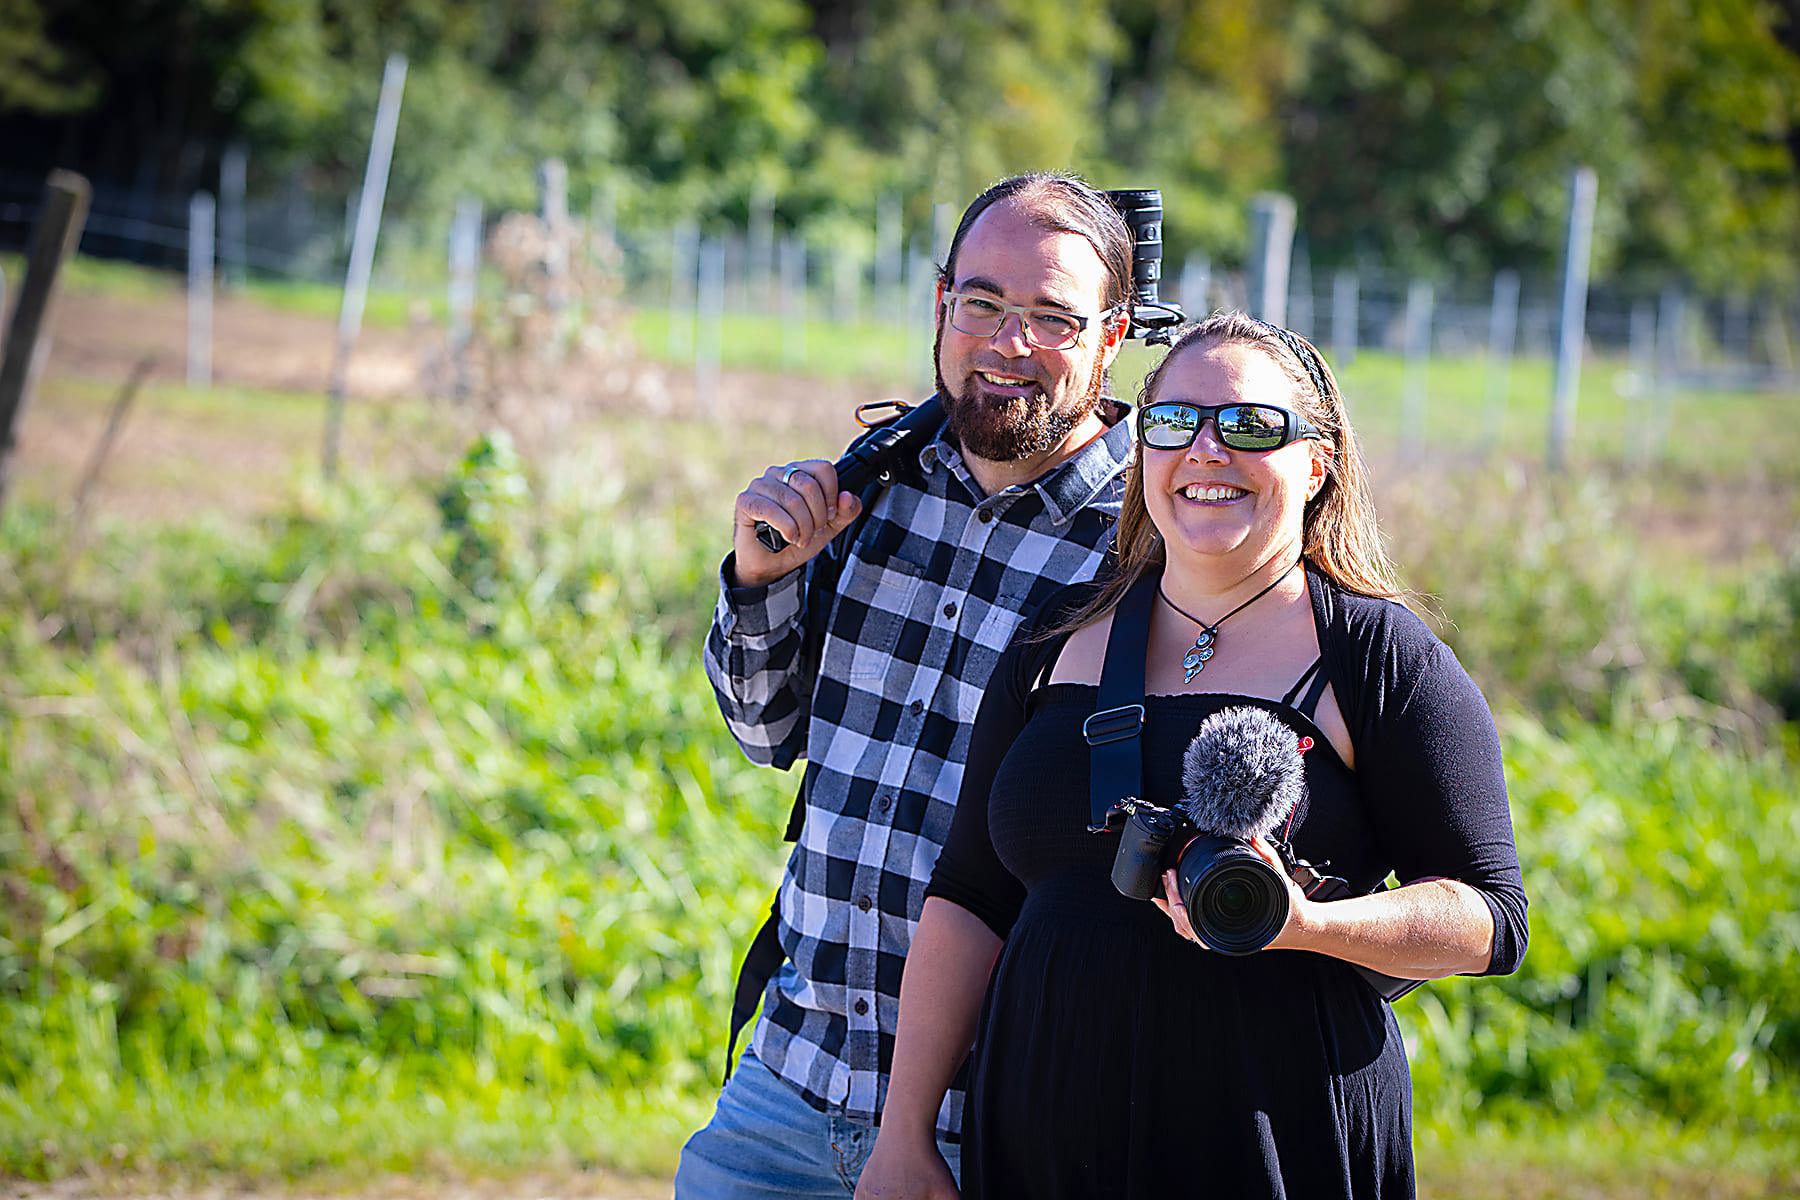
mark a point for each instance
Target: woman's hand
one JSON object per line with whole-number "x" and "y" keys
{"x": 898, "y": 1169}
{"x": 1425, "y": 930}
{"x": 953, "y": 953}
{"x": 1172, "y": 906}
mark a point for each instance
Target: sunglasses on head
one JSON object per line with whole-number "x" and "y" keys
{"x": 1172, "y": 425}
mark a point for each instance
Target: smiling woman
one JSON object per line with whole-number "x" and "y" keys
{"x": 1238, "y": 510}
{"x": 1116, "y": 1052}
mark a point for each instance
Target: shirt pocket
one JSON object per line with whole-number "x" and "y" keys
{"x": 875, "y": 598}
{"x": 1004, "y": 616}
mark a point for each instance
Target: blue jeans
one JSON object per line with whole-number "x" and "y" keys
{"x": 765, "y": 1141}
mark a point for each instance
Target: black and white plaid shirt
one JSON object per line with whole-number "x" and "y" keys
{"x": 931, "y": 593}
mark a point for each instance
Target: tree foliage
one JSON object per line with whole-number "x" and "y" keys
{"x": 1428, "y": 131}
{"x": 1423, "y": 132}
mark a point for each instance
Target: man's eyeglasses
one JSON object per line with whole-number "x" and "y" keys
{"x": 1045, "y": 328}
{"x": 1171, "y": 425}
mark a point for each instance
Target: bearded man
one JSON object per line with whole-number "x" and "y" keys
{"x": 909, "y": 605}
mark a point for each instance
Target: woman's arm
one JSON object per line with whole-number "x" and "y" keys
{"x": 1420, "y": 931}
{"x": 953, "y": 952}
{"x": 1424, "y": 930}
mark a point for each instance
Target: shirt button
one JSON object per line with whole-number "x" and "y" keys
{"x": 862, "y": 1008}
{"x": 865, "y": 903}
{"x": 884, "y": 802}
{"x": 985, "y": 516}
{"x": 916, "y": 707}
{"x": 950, "y": 609}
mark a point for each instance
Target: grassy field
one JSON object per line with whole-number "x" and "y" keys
{"x": 387, "y": 826}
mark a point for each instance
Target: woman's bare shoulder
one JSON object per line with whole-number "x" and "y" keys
{"x": 1083, "y": 654}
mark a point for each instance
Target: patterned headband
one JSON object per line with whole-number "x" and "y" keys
{"x": 1308, "y": 361}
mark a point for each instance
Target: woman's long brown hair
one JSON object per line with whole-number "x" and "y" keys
{"x": 1339, "y": 532}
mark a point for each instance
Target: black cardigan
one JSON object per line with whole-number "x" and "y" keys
{"x": 1421, "y": 729}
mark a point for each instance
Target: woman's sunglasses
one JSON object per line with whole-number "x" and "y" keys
{"x": 1171, "y": 425}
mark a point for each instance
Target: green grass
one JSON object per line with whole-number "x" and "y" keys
{"x": 393, "y": 309}
{"x": 1699, "y": 433}
{"x": 399, "y": 833}
{"x": 131, "y": 281}
{"x": 393, "y": 829}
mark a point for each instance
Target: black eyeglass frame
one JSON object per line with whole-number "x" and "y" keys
{"x": 1025, "y": 313}
{"x": 1294, "y": 427}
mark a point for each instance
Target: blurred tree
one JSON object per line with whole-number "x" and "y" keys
{"x": 935, "y": 101}
{"x": 1442, "y": 134}
{"x": 1719, "y": 103}
{"x": 1189, "y": 107}
{"x": 1437, "y": 135}
{"x": 35, "y": 73}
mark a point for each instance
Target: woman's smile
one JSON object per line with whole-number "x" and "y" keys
{"x": 1212, "y": 501}
{"x": 1212, "y": 494}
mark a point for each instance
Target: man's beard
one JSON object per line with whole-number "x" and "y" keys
{"x": 1019, "y": 428}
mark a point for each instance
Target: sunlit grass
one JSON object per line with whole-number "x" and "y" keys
{"x": 373, "y": 838}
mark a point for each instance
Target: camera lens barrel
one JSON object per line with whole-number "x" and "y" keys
{"x": 1236, "y": 902}
{"x": 1142, "y": 209}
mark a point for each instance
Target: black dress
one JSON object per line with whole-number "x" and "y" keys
{"x": 1116, "y": 1059}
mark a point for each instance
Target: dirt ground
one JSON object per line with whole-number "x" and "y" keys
{"x": 231, "y": 451}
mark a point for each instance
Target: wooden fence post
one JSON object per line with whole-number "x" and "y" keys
{"x": 709, "y": 324}
{"x": 465, "y": 273}
{"x": 684, "y": 267}
{"x": 1345, "y": 292}
{"x": 793, "y": 301}
{"x": 890, "y": 258}
{"x": 1194, "y": 285}
{"x": 233, "y": 223}
{"x": 58, "y": 232}
{"x": 1503, "y": 329}
{"x": 1420, "y": 300}
{"x": 1271, "y": 251}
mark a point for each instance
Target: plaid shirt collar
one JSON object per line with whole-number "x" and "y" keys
{"x": 1069, "y": 486}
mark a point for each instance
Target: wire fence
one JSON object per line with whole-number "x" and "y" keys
{"x": 883, "y": 276}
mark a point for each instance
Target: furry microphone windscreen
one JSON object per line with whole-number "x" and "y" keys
{"x": 1242, "y": 774}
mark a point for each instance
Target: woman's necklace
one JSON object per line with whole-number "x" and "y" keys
{"x": 1206, "y": 645}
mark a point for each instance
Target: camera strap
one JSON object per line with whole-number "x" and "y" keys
{"x": 1115, "y": 749}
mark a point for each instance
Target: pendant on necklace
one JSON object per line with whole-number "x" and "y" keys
{"x": 1195, "y": 662}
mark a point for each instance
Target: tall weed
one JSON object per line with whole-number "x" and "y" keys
{"x": 1555, "y": 604}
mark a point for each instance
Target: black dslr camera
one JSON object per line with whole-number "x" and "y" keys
{"x": 1235, "y": 901}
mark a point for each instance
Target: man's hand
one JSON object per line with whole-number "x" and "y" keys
{"x": 916, "y": 1173}
{"x": 802, "y": 503}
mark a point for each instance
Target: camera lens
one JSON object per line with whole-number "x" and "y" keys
{"x": 1142, "y": 209}
{"x": 1234, "y": 899}
{"x": 1236, "y": 902}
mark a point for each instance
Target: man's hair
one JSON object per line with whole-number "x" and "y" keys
{"x": 1058, "y": 203}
